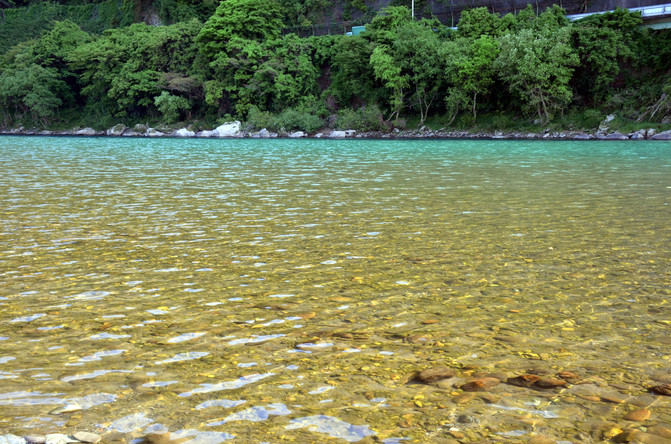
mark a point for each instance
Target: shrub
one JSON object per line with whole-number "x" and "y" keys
{"x": 366, "y": 118}
{"x": 591, "y": 118}
{"x": 171, "y": 106}
{"x": 257, "y": 119}
{"x": 293, "y": 119}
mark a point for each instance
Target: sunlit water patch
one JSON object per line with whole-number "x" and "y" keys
{"x": 260, "y": 291}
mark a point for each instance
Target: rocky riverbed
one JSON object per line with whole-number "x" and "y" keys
{"x": 243, "y": 291}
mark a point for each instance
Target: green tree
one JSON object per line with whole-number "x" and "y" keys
{"x": 384, "y": 27}
{"x": 244, "y": 19}
{"x": 537, "y": 65}
{"x": 417, "y": 52}
{"x": 603, "y": 42}
{"x": 470, "y": 67}
{"x": 125, "y": 69}
{"x": 36, "y": 78}
{"x": 271, "y": 75}
{"x": 172, "y": 107}
{"x": 389, "y": 72}
{"x": 54, "y": 47}
{"x": 32, "y": 89}
{"x": 174, "y": 11}
{"x": 353, "y": 79}
{"x": 232, "y": 86}
{"x": 479, "y": 21}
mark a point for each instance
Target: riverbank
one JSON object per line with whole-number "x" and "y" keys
{"x": 234, "y": 130}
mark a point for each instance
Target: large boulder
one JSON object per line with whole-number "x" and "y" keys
{"x": 665, "y": 135}
{"x": 228, "y": 129}
{"x": 86, "y": 132}
{"x": 338, "y": 134}
{"x": 611, "y": 136}
{"x": 153, "y": 132}
{"x": 263, "y": 134}
{"x": 184, "y": 133}
{"x": 297, "y": 135}
{"x": 117, "y": 130}
{"x": 206, "y": 134}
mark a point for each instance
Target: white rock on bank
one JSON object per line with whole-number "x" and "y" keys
{"x": 665, "y": 135}
{"x": 338, "y": 134}
{"x": 184, "y": 133}
{"x": 297, "y": 135}
{"x": 228, "y": 129}
{"x": 116, "y": 130}
{"x": 263, "y": 134}
{"x": 611, "y": 136}
{"x": 11, "y": 439}
{"x": 86, "y": 132}
{"x": 605, "y": 124}
{"x": 140, "y": 128}
{"x": 152, "y": 132}
{"x": 205, "y": 134}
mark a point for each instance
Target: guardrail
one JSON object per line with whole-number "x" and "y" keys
{"x": 646, "y": 12}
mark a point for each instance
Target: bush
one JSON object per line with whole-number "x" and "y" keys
{"x": 171, "y": 106}
{"x": 367, "y": 118}
{"x": 591, "y": 118}
{"x": 257, "y": 119}
{"x": 495, "y": 122}
{"x": 290, "y": 119}
{"x": 293, "y": 119}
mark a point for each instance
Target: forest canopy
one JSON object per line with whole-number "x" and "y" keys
{"x": 233, "y": 60}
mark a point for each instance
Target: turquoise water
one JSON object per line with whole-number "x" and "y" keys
{"x": 249, "y": 291}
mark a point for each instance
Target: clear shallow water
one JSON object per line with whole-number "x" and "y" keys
{"x": 250, "y": 291}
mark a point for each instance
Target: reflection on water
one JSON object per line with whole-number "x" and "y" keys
{"x": 309, "y": 281}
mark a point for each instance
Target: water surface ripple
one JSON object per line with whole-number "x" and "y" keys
{"x": 259, "y": 291}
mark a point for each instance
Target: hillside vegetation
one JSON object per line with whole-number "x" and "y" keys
{"x": 92, "y": 66}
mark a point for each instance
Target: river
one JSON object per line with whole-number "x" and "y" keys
{"x": 289, "y": 290}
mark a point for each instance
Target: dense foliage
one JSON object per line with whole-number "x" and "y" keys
{"x": 231, "y": 60}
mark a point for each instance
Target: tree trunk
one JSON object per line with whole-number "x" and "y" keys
{"x": 475, "y": 97}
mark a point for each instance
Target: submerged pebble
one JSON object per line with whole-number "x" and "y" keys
{"x": 638, "y": 415}
{"x": 664, "y": 389}
{"x": 434, "y": 374}
{"x": 67, "y": 408}
{"x": 87, "y": 437}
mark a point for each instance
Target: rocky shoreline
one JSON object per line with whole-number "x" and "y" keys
{"x": 233, "y": 130}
